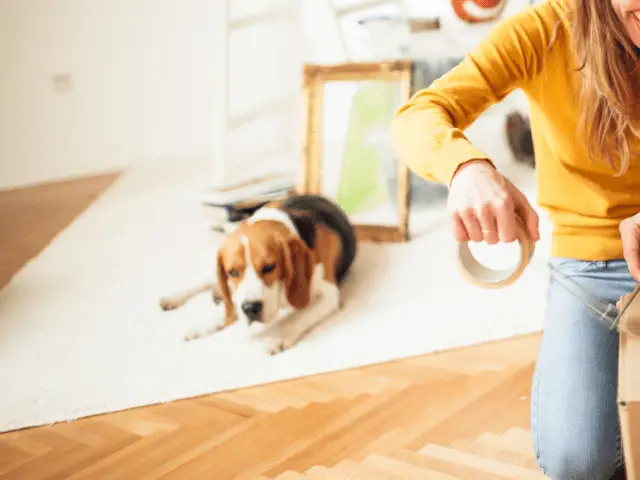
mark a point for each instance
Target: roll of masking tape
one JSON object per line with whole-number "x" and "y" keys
{"x": 481, "y": 276}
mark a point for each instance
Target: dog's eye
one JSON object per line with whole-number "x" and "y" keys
{"x": 268, "y": 269}
{"x": 233, "y": 273}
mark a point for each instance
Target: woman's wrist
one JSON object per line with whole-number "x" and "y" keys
{"x": 473, "y": 163}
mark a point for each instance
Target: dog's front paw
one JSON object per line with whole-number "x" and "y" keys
{"x": 197, "y": 333}
{"x": 278, "y": 345}
{"x": 192, "y": 335}
{"x": 168, "y": 303}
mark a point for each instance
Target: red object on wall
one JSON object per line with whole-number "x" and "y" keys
{"x": 478, "y": 11}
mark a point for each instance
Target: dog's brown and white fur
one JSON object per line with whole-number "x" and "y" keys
{"x": 286, "y": 261}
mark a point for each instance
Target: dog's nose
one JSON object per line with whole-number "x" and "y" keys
{"x": 252, "y": 309}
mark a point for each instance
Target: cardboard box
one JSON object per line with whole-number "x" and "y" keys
{"x": 629, "y": 401}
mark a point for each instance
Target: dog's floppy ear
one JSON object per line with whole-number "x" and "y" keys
{"x": 297, "y": 272}
{"x": 223, "y": 290}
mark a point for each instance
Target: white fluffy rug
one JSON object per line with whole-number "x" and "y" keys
{"x": 81, "y": 332}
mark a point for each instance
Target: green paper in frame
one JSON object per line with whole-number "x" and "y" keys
{"x": 356, "y": 120}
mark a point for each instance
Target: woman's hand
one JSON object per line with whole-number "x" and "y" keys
{"x": 630, "y": 233}
{"x": 484, "y": 205}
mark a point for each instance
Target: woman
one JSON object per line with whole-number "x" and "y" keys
{"x": 576, "y": 61}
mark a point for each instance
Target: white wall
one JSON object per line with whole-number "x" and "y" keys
{"x": 144, "y": 79}
{"x": 141, "y": 74}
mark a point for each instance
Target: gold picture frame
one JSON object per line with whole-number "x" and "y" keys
{"x": 386, "y": 86}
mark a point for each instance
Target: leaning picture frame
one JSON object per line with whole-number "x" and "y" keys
{"x": 348, "y": 156}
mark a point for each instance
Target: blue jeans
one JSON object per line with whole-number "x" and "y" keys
{"x": 574, "y": 414}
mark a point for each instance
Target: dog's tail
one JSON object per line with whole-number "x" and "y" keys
{"x": 335, "y": 218}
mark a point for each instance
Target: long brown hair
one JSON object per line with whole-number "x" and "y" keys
{"x": 607, "y": 59}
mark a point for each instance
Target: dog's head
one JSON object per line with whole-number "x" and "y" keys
{"x": 261, "y": 267}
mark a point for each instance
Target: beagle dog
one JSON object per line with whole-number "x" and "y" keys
{"x": 287, "y": 260}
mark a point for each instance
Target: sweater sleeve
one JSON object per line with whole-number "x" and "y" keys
{"x": 427, "y": 132}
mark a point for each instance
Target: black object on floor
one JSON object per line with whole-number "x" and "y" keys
{"x": 520, "y": 139}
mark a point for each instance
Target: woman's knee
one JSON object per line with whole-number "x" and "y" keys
{"x": 564, "y": 463}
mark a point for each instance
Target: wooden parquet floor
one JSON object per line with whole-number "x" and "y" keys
{"x": 461, "y": 414}
{"x": 31, "y": 217}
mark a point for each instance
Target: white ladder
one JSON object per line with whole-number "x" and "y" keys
{"x": 227, "y": 168}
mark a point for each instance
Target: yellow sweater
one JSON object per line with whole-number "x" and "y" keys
{"x": 584, "y": 198}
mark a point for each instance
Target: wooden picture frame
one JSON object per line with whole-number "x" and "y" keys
{"x": 386, "y": 86}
